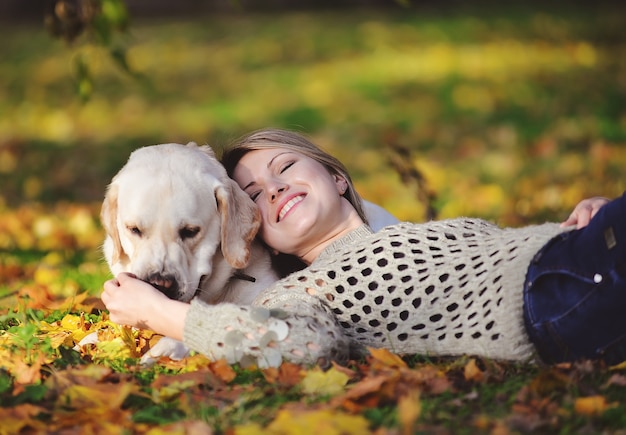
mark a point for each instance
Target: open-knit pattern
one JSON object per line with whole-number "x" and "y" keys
{"x": 441, "y": 288}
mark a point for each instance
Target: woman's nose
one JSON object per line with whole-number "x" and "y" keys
{"x": 275, "y": 190}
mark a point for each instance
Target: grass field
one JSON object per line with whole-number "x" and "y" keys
{"x": 512, "y": 114}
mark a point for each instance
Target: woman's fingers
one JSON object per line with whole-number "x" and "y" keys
{"x": 584, "y": 211}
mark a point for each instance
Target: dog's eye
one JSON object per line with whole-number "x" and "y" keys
{"x": 188, "y": 232}
{"x": 134, "y": 230}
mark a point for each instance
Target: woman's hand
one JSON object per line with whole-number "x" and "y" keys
{"x": 136, "y": 303}
{"x": 584, "y": 211}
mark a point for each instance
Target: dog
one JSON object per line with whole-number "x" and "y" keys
{"x": 174, "y": 219}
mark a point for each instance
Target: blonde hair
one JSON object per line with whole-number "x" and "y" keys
{"x": 292, "y": 141}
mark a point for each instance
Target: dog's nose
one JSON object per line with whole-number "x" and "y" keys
{"x": 166, "y": 284}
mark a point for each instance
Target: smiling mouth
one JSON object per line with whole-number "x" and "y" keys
{"x": 293, "y": 201}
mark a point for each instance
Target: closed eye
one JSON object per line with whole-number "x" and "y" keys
{"x": 286, "y": 166}
{"x": 188, "y": 232}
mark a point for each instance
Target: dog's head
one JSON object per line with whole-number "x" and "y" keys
{"x": 169, "y": 211}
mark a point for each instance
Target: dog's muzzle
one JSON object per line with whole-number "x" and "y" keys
{"x": 166, "y": 284}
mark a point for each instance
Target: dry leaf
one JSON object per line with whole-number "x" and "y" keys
{"x": 16, "y": 419}
{"x": 409, "y": 410}
{"x": 471, "y": 371}
{"x": 318, "y": 382}
{"x": 327, "y": 422}
{"x": 286, "y": 375}
{"x": 616, "y": 379}
{"x": 386, "y": 358}
{"x": 223, "y": 370}
{"x": 592, "y": 405}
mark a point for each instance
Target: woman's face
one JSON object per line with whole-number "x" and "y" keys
{"x": 299, "y": 200}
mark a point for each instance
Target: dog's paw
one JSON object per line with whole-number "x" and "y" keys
{"x": 166, "y": 346}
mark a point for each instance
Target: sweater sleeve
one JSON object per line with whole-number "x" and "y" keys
{"x": 298, "y": 328}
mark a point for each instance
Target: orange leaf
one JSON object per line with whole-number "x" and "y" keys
{"x": 362, "y": 391}
{"x": 386, "y": 358}
{"x": 25, "y": 373}
{"x": 20, "y": 417}
{"x": 592, "y": 405}
{"x": 287, "y": 375}
{"x": 223, "y": 370}
{"x": 472, "y": 372}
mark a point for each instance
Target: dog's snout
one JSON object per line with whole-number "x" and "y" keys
{"x": 166, "y": 284}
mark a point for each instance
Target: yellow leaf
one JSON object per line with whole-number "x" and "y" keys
{"x": 318, "y": 382}
{"x": 409, "y": 410}
{"x": 170, "y": 391}
{"x": 115, "y": 349}
{"x": 87, "y": 397}
{"x": 592, "y": 405}
{"x": 326, "y": 421}
{"x": 250, "y": 429}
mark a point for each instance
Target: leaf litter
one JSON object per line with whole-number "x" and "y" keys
{"x": 50, "y": 384}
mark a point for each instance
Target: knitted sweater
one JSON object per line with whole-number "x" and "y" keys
{"x": 440, "y": 288}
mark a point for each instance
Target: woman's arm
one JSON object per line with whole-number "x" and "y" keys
{"x": 297, "y": 327}
{"x": 300, "y": 330}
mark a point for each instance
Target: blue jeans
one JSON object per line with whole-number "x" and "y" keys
{"x": 575, "y": 291}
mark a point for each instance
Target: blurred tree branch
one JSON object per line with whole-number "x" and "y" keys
{"x": 82, "y": 23}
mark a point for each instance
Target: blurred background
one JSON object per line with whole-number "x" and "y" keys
{"x": 510, "y": 112}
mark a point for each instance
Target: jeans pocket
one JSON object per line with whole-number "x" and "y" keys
{"x": 572, "y": 316}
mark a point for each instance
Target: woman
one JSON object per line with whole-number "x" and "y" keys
{"x": 461, "y": 286}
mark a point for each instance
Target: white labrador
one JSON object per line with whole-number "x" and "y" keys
{"x": 175, "y": 219}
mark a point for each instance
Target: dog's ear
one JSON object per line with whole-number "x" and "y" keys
{"x": 108, "y": 217}
{"x": 204, "y": 148}
{"x": 241, "y": 220}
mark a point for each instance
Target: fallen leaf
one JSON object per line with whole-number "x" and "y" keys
{"x": 26, "y": 373}
{"x": 286, "y": 375}
{"x": 18, "y": 418}
{"x": 616, "y": 379}
{"x": 592, "y": 405}
{"x": 471, "y": 372}
{"x": 409, "y": 410}
{"x": 89, "y": 375}
{"x": 170, "y": 391}
{"x": 223, "y": 370}
{"x": 326, "y": 421}
{"x": 88, "y": 397}
{"x": 363, "y": 394}
{"x": 195, "y": 427}
{"x": 330, "y": 382}
{"x": 385, "y": 358}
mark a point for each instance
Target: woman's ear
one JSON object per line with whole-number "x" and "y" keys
{"x": 341, "y": 183}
